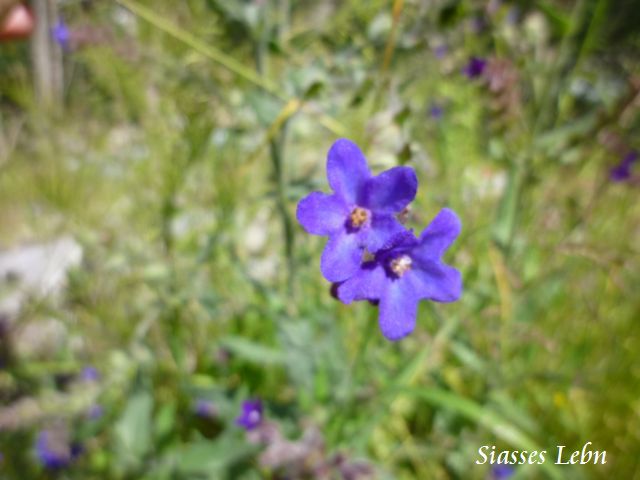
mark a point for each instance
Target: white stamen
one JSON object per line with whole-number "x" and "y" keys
{"x": 400, "y": 265}
{"x": 254, "y": 416}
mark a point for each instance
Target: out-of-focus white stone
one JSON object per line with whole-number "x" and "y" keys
{"x": 263, "y": 268}
{"x": 483, "y": 183}
{"x": 37, "y": 270}
{"x": 387, "y": 140}
{"x": 536, "y": 28}
{"x": 256, "y": 232}
{"x": 126, "y": 20}
{"x": 40, "y": 338}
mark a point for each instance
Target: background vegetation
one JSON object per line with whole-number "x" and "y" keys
{"x": 187, "y": 133}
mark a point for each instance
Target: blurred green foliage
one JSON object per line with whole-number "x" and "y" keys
{"x": 188, "y": 134}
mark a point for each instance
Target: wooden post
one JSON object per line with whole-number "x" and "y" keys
{"x": 46, "y": 55}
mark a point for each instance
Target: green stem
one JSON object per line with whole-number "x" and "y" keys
{"x": 276, "y": 150}
{"x": 207, "y": 50}
{"x": 558, "y": 73}
{"x": 353, "y": 375}
{"x": 225, "y": 60}
{"x": 276, "y": 147}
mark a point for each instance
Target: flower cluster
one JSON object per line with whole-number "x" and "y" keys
{"x": 370, "y": 254}
{"x": 54, "y": 448}
{"x": 305, "y": 457}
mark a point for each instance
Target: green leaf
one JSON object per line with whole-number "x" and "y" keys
{"x": 505, "y": 223}
{"x": 165, "y": 420}
{"x": 483, "y": 416}
{"x": 133, "y": 429}
{"x": 254, "y": 352}
{"x": 560, "y": 20}
{"x": 265, "y": 106}
{"x": 206, "y": 457}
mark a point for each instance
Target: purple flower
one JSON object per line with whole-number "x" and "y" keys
{"x": 440, "y": 51}
{"x": 251, "y": 415}
{"x": 360, "y": 213}
{"x": 501, "y": 472}
{"x": 205, "y": 409}
{"x": 54, "y": 450}
{"x": 475, "y": 67}
{"x": 622, "y": 171}
{"x": 513, "y": 15}
{"x": 436, "y": 111}
{"x": 478, "y": 24}
{"x": 95, "y": 411}
{"x": 408, "y": 270}
{"x": 90, "y": 374}
{"x": 60, "y": 33}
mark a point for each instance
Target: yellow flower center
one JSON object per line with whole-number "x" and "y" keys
{"x": 358, "y": 217}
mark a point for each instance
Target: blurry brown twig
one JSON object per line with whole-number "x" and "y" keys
{"x": 503, "y": 81}
{"x": 8, "y": 140}
{"x": 5, "y": 7}
{"x": 391, "y": 41}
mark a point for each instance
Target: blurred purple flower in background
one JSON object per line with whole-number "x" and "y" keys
{"x": 513, "y": 15}
{"x": 251, "y": 415}
{"x": 95, "y": 411}
{"x": 60, "y": 33}
{"x": 436, "y": 111}
{"x": 478, "y": 24}
{"x": 475, "y": 67}
{"x": 493, "y": 6}
{"x": 440, "y": 51}
{"x": 501, "y": 472}
{"x": 205, "y": 408}
{"x": 408, "y": 270}
{"x": 360, "y": 213}
{"x": 90, "y": 374}
{"x": 622, "y": 171}
{"x": 54, "y": 450}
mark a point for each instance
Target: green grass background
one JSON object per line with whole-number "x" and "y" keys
{"x": 177, "y": 159}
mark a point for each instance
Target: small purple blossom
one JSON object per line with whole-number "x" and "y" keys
{"x": 501, "y": 472}
{"x": 408, "y": 270}
{"x": 513, "y": 15}
{"x": 493, "y": 6}
{"x": 475, "y": 67}
{"x": 95, "y": 412}
{"x": 436, "y": 111}
{"x": 61, "y": 34}
{"x": 205, "y": 408}
{"x": 622, "y": 171}
{"x": 440, "y": 51}
{"x": 90, "y": 374}
{"x": 478, "y": 24}
{"x": 54, "y": 450}
{"x": 360, "y": 213}
{"x": 251, "y": 415}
